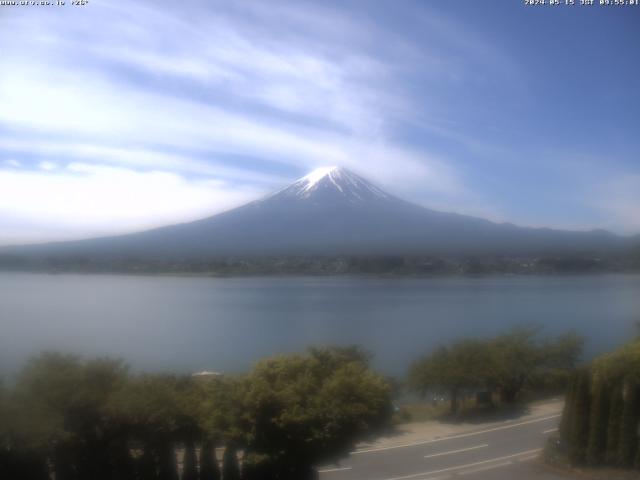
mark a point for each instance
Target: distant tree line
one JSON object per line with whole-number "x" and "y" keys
{"x": 505, "y": 365}
{"x": 73, "y": 419}
{"x": 330, "y": 264}
{"x": 601, "y": 421}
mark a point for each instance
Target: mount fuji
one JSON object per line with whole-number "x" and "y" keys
{"x": 332, "y": 211}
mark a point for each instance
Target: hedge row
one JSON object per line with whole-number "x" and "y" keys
{"x": 601, "y": 421}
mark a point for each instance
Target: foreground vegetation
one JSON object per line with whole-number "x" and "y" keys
{"x": 79, "y": 419}
{"x": 91, "y": 419}
{"x": 601, "y": 421}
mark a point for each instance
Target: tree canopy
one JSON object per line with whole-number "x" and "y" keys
{"x": 505, "y": 364}
{"x": 302, "y": 410}
{"x": 82, "y": 418}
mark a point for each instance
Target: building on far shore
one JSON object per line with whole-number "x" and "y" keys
{"x": 207, "y": 374}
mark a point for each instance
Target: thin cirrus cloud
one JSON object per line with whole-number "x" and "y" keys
{"x": 117, "y": 95}
{"x": 186, "y": 110}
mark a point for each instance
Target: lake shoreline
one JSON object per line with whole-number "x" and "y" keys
{"x": 355, "y": 275}
{"x": 381, "y": 265}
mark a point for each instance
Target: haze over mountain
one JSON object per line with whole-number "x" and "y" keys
{"x": 333, "y": 211}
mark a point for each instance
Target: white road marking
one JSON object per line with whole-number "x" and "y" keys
{"x": 461, "y": 467}
{"x": 456, "y": 451}
{"x": 485, "y": 468}
{"x": 453, "y": 437}
{"x": 329, "y": 470}
{"x": 529, "y": 458}
{"x": 550, "y": 430}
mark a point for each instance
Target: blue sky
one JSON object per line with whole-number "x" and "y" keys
{"x": 119, "y": 116}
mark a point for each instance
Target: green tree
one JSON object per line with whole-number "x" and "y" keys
{"x": 521, "y": 360}
{"x": 64, "y": 411}
{"x": 189, "y": 462}
{"x": 230, "y": 467}
{"x": 257, "y": 467}
{"x": 507, "y": 363}
{"x": 209, "y": 469}
{"x": 608, "y": 415}
{"x": 146, "y": 465}
{"x": 299, "y": 411}
{"x": 579, "y": 437}
{"x": 221, "y": 410}
{"x": 568, "y": 413}
{"x": 462, "y": 366}
{"x": 18, "y": 459}
{"x": 562, "y": 352}
{"x": 157, "y": 409}
{"x": 613, "y": 428}
{"x": 515, "y": 361}
{"x": 598, "y": 421}
{"x": 621, "y": 365}
{"x": 622, "y": 369}
{"x": 628, "y": 443}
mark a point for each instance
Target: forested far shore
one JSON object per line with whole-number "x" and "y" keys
{"x": 330, "y": 265}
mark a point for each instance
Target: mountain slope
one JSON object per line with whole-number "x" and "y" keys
{"x": 334, "y": 211}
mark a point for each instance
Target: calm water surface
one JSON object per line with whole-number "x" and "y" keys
{"x": 189, "y": 324}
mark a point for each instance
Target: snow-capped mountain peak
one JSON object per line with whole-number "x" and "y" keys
{"x": 317, "y": 175}
{"x": 330, "y": 211}
{"x": 334, "y": 180}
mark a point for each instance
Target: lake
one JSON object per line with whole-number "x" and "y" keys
{"x": 188, "y": 324}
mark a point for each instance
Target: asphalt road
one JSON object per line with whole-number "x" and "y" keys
{"x": 506, "y": 451}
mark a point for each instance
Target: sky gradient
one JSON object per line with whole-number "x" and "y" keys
{"x": 120, "y": 116}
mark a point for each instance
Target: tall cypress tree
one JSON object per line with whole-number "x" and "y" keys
{"x": 230, "y": 467}
{"x": 64, "y": 466}
{"x": 566, "y": 422}
{"x": 597, "y": 445}
{"x": 167, "y": 468}
{"x": 189, "y": 462}
{"x": 23, "y": 466}
{"x": 122, "y": 467}
{"x": 257, "y": 467}
{"x": 145, "y": 465}
{"x": 628, "y": 426}
{"x": 209, "y": 469}
{"x": 580, "y": 428}
{"x": 613, "y": 428}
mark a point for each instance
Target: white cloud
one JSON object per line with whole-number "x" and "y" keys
{"x": 88, "y": 199}
{"x": 132, "y": 116}
{"x": 141, "y": 158}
